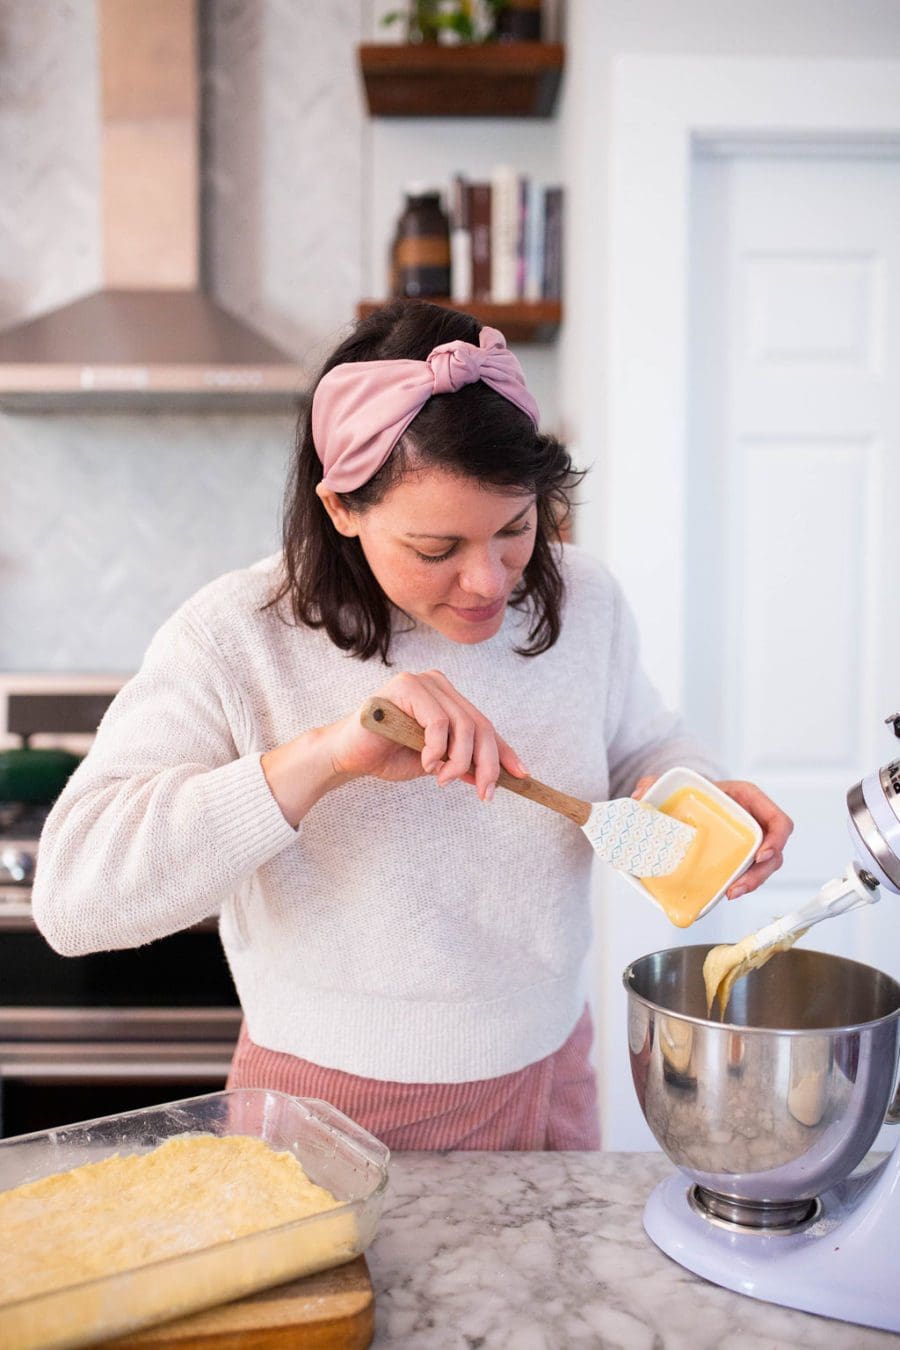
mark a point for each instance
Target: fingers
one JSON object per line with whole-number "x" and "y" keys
{"x": 486, "y": 758}
{"x": 754, "y": 877}
{"x": 642, "y": 785}
{"x": 510, "y": 760}
{"x": 419, "y": 701}
{"x": 460, "y": 742}
{"x": 460, "y": 751}
{"x": 472, "y": 735}
{"x": 777, "y": 828}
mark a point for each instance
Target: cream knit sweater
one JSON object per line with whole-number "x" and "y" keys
{"x": 404, "y": 931}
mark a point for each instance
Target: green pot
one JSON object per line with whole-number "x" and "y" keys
{"x": 35, "y": 776}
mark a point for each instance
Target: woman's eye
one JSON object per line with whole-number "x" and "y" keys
{"x": 435, "y": 557}
{"x": 442, "y": 557}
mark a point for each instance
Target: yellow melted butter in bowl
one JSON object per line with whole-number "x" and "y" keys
{"x": 722, "y": 845}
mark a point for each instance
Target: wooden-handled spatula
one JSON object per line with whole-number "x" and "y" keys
{"x": 630, "y": 835}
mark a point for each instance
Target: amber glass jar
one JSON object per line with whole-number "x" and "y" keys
{"x": 420, "y": 257}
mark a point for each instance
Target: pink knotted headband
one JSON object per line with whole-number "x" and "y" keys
{"x": 361, "y": 408}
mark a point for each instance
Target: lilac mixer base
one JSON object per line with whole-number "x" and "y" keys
{"x": 843, "y": 1265}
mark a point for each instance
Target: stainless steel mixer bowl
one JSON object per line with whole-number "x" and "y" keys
{"x": 781, "y": 1102}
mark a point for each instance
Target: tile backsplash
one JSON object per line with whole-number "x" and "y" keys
{"x": 108, "y": 522}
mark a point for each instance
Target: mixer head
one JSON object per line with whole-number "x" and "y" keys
{"x": 874, "y": 823}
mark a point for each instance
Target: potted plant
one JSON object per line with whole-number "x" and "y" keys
{"x": 448, "y": 20}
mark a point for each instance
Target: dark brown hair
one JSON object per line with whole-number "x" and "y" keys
{"x": 476, "y": 433}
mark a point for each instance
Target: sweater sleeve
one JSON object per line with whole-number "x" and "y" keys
{"x": 643, "y": 736}
{"x": 164, "y": 818}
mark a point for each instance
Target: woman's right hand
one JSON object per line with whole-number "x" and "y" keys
{"x": 457, "y": 738}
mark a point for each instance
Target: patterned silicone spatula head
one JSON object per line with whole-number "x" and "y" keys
{"x": 637, "y": 838}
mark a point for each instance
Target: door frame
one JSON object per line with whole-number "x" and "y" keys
{"x": 663, "y": 109}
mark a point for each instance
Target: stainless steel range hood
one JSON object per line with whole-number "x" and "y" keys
{"x": 150, "y": 339}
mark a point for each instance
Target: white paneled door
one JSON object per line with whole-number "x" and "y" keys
{"x": 793, "y": 578}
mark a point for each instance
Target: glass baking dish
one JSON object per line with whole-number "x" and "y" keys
{"x": 332, "y": 1150}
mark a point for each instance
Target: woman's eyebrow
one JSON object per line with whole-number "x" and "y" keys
{"x": 456, "y": 537}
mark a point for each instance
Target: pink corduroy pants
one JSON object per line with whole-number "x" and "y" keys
{"x": 548, "y": 1105}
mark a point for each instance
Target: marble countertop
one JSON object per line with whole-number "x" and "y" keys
{"x": 546, "y": 1251}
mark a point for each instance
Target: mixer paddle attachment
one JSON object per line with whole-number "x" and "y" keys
{"x": 726, "y": 964}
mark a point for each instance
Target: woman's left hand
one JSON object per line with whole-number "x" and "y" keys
{"x": 776, "y": 827}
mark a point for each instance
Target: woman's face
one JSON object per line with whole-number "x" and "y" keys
{"x": 445, "y": 549}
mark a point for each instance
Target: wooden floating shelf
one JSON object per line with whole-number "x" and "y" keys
{"x": 522, "y": 321}
{"x": 491, "y": 79}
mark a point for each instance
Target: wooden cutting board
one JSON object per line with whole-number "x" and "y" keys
{"x": 334, "y": 1310}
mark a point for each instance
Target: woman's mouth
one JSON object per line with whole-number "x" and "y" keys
{"x": 479, "y": 613}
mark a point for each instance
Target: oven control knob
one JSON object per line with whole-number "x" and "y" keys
{"x": 16, "y": 865}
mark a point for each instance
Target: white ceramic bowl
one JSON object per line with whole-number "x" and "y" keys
{"x": 671, "y": 781}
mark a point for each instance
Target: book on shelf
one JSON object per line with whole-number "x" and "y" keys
{"x": 504, "y": 234}
{"x": 533, "y": 245}
{"x": 480, "y": 224}
{"x": 553, "y": 207}
{"x": 506, "y": 239}
{"x": 460, "y": 241}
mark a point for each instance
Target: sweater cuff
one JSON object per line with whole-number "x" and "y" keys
{"x": 243, "y": 818}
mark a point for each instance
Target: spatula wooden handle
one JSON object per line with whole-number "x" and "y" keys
{"x": 387, "y": 720}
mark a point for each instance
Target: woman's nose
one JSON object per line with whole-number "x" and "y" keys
{"x": 483, "y": 575}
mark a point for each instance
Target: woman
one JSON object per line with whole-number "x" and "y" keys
{"x": 413, "y": 956}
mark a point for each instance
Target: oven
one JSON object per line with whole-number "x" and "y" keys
{"x": 108, "y": 1032}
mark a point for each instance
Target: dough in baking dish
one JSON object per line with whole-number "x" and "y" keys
{"x": 192, "y": 1194}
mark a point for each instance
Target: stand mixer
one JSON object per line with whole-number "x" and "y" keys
{"x": 768, "y": 1115}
